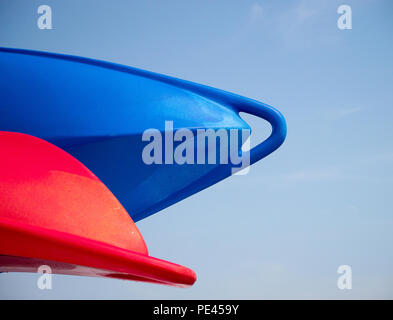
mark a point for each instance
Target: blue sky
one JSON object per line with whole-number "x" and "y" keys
{"x": 322, "y": 200}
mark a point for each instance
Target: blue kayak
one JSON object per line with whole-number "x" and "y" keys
{"x": 106, "y": 115}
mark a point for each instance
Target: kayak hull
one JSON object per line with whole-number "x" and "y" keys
{"x": 99, "y": 111}
{"x": 54, "y": 211}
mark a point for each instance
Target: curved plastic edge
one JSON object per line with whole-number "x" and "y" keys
{"x": 39, "y": 243}
{"x": 236, "y": 102}
{"x": 276, "y": 120}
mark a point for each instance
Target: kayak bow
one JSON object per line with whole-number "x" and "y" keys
{"x": 98, "y": 111}
{"x": 55, "y": 212}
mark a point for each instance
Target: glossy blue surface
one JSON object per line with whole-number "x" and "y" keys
{"x": 97, "y": 111}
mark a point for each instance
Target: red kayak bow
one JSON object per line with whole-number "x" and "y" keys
{"x": 55, "y": 212}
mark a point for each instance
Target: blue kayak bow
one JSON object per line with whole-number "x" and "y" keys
{"x": 98, "y": 112}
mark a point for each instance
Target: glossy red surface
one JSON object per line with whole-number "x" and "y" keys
{"x": 55, "y": 211}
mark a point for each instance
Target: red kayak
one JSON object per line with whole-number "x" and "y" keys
{"x": 55, "y": 212}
